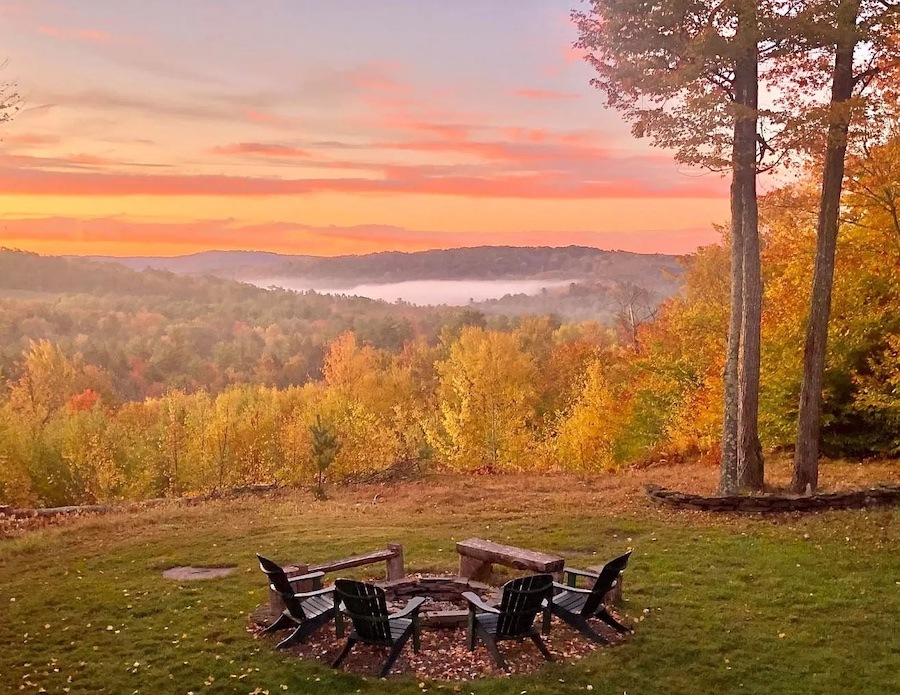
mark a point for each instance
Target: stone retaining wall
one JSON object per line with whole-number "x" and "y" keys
{"x": 879, "y": 496}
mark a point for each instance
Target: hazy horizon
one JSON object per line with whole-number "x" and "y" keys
{"x": 264, "y": 251}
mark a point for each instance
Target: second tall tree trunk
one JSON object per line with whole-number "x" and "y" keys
{"x": 750, "y": 460}
{"x": 806, "y": 453}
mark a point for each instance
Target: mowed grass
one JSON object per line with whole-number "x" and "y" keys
{"x": 724, "y": 604}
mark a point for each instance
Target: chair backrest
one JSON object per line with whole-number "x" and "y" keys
{"x": 279, "y": 582}
{"x": 367, "y": 608}
{"x": 522, "y": 599}
{"x": 608, "y": 576}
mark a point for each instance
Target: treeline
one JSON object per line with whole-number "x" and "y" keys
{"x": 153, "y": 331}
{"x": 494, "y": 262}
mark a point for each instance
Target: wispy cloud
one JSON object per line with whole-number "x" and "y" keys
{"x": 89, "y": 35}
{"x": 69, "y": 162}
{"x": 30, "y": 139}
{"x": 263, "y": 149}
{"x": 545, "y": 94}
{"x": 400, "y": 179}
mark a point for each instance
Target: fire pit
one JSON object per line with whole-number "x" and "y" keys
{"x": 444, "y": 605}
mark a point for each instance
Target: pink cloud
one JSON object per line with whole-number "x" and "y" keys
{"x": 545, "y": 94}
{"x": 90, "y": 35}
{"x": 379, "y": 76}
{"x": 571, "y": 54}
{"x": 263, "y": 150}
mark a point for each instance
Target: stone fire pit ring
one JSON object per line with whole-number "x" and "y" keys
{"x": 445, "y": 607}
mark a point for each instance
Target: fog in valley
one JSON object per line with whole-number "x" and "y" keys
{"x": 422, "y": 292}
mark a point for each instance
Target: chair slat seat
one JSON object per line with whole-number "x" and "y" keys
{"x": 399, "y": 626}
{"x": 367, "y": 607}
{"x": 570, "y": 601}
{"x": 522, "y": 600}
{"x": 576, "y": 608}
{"x": 317, "y": 605}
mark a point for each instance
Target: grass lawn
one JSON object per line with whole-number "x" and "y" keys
{"x": 793, "y": 604}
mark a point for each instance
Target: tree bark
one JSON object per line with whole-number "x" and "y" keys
{"x": 806, "y": 452}
{"x": 728, "y": 472}
{"x": 741, "y": 457}
{"x": 749, "y": 451}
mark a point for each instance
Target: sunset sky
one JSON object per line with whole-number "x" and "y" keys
{"x": 323, "y": 127}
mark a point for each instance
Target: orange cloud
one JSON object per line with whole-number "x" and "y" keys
{"x": 262, "y": 149}
{"x": 266, "y": 118}
{"x": 397, "y": 180}
{"x": 31, "y": 139}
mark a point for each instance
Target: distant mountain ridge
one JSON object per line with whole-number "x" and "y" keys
{"x": 208, "y": 262}
{"x": 477, "y": 263}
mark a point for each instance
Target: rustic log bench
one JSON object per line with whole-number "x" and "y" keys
{"x": 392, "y": 556}
{"x": 476, "y": 556}
{"x": 309, "y": 577}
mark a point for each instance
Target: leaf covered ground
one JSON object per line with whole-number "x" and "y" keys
{"x": 741, "y": 604}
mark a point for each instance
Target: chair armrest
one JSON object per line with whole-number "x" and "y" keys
{"x": 306, "y": 577}
{"x": 412, "y": 607}
{"x": 573, "y": 589}
{"x": 475, "y": 601}
{"x": 318, "y": 592}
{"x": 580, "y": 573}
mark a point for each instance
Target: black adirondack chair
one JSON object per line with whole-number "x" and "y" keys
{"x": 522, "y": 600}
{"x": 372, "y": 624}
{"x": 576, "y": 606}
{"x": 305, "y": 611}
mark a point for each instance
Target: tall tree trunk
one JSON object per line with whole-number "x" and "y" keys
{"x": 740, "y": 445}
{"x": 728, "y": 472}
{"x": 749, "y": 451}
{"x": 806, "y": 453}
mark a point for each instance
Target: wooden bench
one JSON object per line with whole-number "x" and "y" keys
{"x": 476, "y": 556}
{"x": 392, "y": 557}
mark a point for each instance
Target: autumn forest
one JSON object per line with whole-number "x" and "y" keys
{"x": 120, "y": 384}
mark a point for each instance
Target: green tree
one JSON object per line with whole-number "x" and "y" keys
{"x": 325, "y": 448}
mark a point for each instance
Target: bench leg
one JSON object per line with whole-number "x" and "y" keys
{"x": 473, "y": 568}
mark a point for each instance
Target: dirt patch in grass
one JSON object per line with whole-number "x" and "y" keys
{"x": 189, "y": 574}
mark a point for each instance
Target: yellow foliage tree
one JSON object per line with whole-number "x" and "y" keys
{"x": 486, "y": 403}
{"x": 587, "y": 431}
